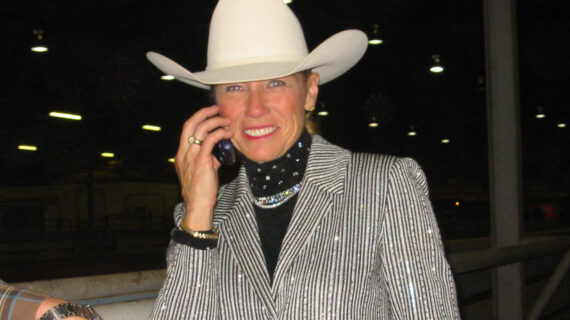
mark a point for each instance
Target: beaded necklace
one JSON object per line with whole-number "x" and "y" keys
{"x": 273, "y": 183}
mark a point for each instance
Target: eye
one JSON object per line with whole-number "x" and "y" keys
{"x": 276, "y": 83}
{"x": 233, "y": 88}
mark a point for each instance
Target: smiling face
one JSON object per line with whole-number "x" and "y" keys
{"x": 267, "y": 116}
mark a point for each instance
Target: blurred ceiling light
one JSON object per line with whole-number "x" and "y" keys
{"x": 457, "y": 203}
{"x": 151, "y": 127}
{"x": 287, "y": 1}
{"x": 171, "y": 160}
{"x": 412, "y": 132}
{"x": 445, "y": 140}
{"x": 375, "y": 37}
{"x": 167, "y": 77}
{"x": 322, "y": 110}
{"x": 437, "y": 67}
{"x": 373, "y": 122}
{"x": 107, "y": 155}
{"x": 561, "y": 125}
{"x": 38, "y": 45}
{"x": 65, "y": 115}
{"x": 27, "y": 147}
{"x": 540, "y": 113}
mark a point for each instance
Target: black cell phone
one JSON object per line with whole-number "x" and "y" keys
{"x": 225, "y": 152}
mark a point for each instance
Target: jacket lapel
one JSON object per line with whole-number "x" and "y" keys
{"x": 322, "y": 186}
{"x": 242, "y": 235}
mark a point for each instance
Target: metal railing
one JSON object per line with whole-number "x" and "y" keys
{"x": 465, "y": 262}
{"x": 128, "y": 293}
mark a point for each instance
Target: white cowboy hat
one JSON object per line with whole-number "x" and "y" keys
{"x": 253, "y": 40}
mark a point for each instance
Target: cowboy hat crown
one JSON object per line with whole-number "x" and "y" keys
{"x": 253, "y": 40}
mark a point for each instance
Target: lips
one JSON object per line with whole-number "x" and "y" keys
{"x": 259, "y": 132}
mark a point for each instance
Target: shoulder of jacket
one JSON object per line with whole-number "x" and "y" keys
{"x": 372, "y": 162}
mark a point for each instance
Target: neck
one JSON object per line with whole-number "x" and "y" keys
{"x": 280, "y": 174}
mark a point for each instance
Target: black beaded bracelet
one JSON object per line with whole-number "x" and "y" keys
{"x": 185, "y": 238}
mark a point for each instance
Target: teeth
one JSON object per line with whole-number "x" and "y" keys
{"x": 260, "y": 132}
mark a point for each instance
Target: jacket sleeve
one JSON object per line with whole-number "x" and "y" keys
{"x": 190, "y": 288}
{"x": 418, "y": 277}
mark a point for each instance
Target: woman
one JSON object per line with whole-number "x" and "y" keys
{"x": 306, "y": 229}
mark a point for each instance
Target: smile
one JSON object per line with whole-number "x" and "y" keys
{"x": 259, "y": 132}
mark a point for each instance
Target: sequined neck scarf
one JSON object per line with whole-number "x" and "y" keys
{"x": 272, "y": 183}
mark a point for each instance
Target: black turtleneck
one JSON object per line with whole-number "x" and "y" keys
{"x": 270, "y": 178}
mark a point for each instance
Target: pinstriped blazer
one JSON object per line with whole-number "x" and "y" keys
{"x": 362, "y": 243}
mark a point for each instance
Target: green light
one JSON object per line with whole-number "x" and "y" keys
{"x": 39, "y": 49}
{"x": 64, "y": 115}
{"x": 436, "y": 69}
{"x": 27, "y": 147}
{"x": 151, "y": 127}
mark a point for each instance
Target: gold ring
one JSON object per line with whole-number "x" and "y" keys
{"x": 193, "y": 140}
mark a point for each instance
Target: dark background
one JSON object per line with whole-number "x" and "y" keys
{"x": 96, "y": 67}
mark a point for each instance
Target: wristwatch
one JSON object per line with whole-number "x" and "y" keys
{"x": 64, "y": 310}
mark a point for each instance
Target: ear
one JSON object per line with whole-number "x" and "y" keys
{"x": 312, "y": 91}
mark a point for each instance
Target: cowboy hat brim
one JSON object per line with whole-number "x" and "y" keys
{"x": 330, "y": 59}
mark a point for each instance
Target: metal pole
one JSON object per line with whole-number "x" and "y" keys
{"x": 550, "y": 287}
{"x": 504, "y": 150}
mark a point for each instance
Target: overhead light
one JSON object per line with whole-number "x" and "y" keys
{"x": 375, "y": 38}
{"x": 151, "y": 127}
{"x": 322, "y": 110}
{"x": 107, "y": 155}
{"x": 437, "y": 67}
{"x": 412, "y": 132}
{"x": 561, "y": 125}
{"x": 457, "y": 203}
{"x": 373, "y": 122}
{"x": 171, "y": 160}
{"x": 64, "y": 115}
{"x": 445, "y": 140}
{"x": 540, "y": 113}
{"x": 27, "y": 147}
{"x": 287, "y": 1}
{"x": 39, "y": 46}
{"x": 167, "y": 77}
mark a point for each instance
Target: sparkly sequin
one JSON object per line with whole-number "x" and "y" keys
{"x": 277, "y": 199}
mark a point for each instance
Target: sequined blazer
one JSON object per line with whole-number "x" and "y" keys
{"x": 363, "y": 243}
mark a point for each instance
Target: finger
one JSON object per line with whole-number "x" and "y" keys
{"x": 188, "y": 131}
{"x": 209, "y": 125}
{"x": 210, "y": 141}
{"x": 192, "y": 122}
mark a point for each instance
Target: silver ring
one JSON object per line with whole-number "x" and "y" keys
{"x": 193, "y": 140}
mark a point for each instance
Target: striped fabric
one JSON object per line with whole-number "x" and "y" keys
{"x": 363, "y": 243}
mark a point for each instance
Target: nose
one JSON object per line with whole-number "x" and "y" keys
{"x": 256, "y": 106}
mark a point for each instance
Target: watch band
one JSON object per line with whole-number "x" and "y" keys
{"x": 64, "y": 310}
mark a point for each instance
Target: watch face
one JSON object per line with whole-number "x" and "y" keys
{"x": 64, "y": 310}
